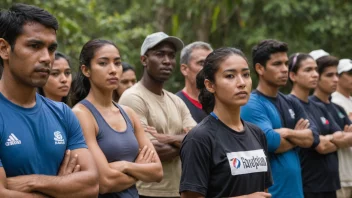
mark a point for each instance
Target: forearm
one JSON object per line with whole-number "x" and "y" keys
{"x": 166, "y": 152}
{"x": 79, "y": 184}
{"x": 116, "y": 182}
{"x": 174, "y": 140}
{"x": 342, "y": 139}
{"x": 302, "y": 138}
{"x": 12, "y": 193}
{"x": 150, "y": 172}
{"x": 285, "y": 146}
{"x": 325, "y": 146}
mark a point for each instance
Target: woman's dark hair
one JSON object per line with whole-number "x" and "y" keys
{"x": 326, "y": 61}
{"x": 211, "y": 66}
{"x": 294, "y": 62}
{"x": 13, "y": 20}
{"x": 80, "y": 84}
{"x": 58, "y": 55}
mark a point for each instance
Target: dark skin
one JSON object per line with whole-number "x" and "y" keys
{"x": 159, "y": 62}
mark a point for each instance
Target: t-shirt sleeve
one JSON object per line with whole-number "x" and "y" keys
{"x": 187, "y": 119}
{"x": 254, "y": 112}
{"x": 268, "y": 176}
{"x": 75, "y": 138}
{"x": 1, "y": 133}
{"x": 195, "y": 158}
{"x": 301, "y": 113}
{"x": 136, "y": 103}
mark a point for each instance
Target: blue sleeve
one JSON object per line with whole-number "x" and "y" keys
{"x": 74, "y": 131}
{"x": 301, "y": 113}
{"x": 254, "y": 112}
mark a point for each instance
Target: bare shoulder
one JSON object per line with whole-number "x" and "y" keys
{"x": 82, "y": 111}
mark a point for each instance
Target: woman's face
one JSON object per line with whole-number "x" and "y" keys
{"x": 59, "y": 81}
{"x": 106, "y": 68}
{"x": 128, "y": 79}
{"x": 306, "y": 75}
{"x": 233, "y": 83}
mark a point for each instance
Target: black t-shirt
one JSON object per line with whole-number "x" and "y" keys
{"x": 197, "y": 113}
{"x": 220, "y": 162}
{"x": 337, "y": 112}
{"x": 320, "y": 172}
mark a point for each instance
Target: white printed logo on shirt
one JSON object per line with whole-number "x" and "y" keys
{"x": 292, "y": 113}
{"x": 58, "y": 138}
{"x": 246, "y": 162}
{"x": 324, "y": 120}
{"x": 12, "y": 140}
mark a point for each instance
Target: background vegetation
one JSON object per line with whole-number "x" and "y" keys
{"x": 304, "y": 25}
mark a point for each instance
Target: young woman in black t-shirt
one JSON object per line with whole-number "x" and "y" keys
{"x": 224, "y": 156}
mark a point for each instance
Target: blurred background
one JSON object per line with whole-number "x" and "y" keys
{"x": 304, "y": 25}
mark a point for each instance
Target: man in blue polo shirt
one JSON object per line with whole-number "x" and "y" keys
{"x": 35, "y": 132}
{"x": 282, "y": 119}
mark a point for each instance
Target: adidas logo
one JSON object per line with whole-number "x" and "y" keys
{"x": 13, "y": 140}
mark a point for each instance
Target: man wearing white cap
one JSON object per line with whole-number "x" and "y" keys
{"x": 342, "y": 97}
{"x": 164, "y": 115}
{"x": 344, "y": 86}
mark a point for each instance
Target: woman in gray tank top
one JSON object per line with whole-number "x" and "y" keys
{"x": 113, "y": 133}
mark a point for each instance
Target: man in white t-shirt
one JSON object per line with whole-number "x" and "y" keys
{"x": 342, "y": 97}
{"x": 344, "y": 87}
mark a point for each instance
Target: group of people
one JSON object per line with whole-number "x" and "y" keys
{"x": 102, "y": 133}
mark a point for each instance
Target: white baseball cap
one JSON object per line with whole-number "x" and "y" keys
{"x": 344, "y": 65}
{"x": 154, "y": 39}
{"x": 318, "y": 53}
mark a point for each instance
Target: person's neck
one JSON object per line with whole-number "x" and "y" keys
{"x": 100, "y": 98}
{"x": 322, "y": 95}
{"x": 54, "y": 98}
{"x": 152, "y": 85}
{"x": 16, "y": 92}
{"x": 300, "y": 93}
{"x": 267, "y": 89}
{"x": 344, "y": 92}
{"x": 191, "y": 91}
{"x": 229, "y": 116}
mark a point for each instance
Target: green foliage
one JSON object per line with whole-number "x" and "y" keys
{"x": 304, "y": 25}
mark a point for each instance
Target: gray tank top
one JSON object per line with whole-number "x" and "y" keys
{"x": 116, "y": 145}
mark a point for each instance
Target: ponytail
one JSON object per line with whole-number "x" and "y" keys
{"x": 206, "y": 98}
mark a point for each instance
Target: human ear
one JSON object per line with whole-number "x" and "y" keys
{"x": 259, "y": 68}
{"x": 183, "y": 69}
{"x": 292, "y": 76}
{"x": 5, "y": 49}
{"x": 209, "y": 86}
{"x": 85, "y": 70}
{"x": 144, "y": 60}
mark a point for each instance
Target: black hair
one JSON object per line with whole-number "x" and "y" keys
{"x": 294, "y": 62}
{"x": 18, "y": 15}
{"x": 261, "y": 53}
{"x": 326, "y": 61}
{"x": 211, "y": 66}
{"x": 126, "y": 67}
{"x": 80, "y": 84}
{"x": 58, "y": 55}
